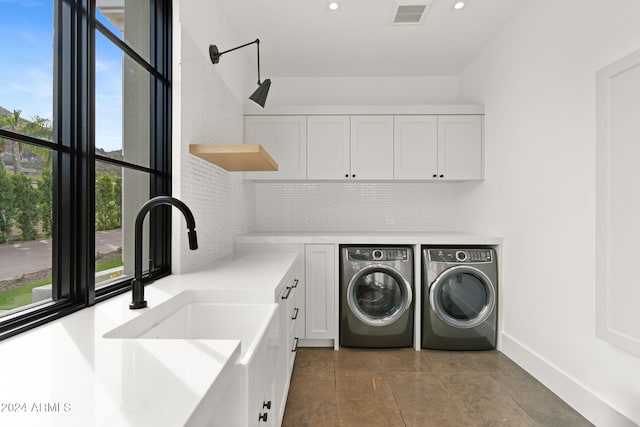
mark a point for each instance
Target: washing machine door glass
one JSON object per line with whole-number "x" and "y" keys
{"x": 378, "y": 295}
{"x": 462, "y": 296}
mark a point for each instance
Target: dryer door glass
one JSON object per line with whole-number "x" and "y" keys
{"x": 378, "y": 295}
{"x": 462, "y": 297}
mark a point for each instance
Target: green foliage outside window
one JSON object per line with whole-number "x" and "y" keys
{"x": 26, "y": 207}
{"x": 108, "y": 201}
{"x": 6, "y": 205}
{"x": 26, "y": 204}
{"x": 45, "y": 208}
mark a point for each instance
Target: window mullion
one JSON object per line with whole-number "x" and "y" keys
{"x": 64, "y": 89}
{"x": 85, "y": 161}
{"x": 160, "y": 132}
{"x": 73, "y": 262}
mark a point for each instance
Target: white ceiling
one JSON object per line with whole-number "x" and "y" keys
{"x": 302, "y": 38}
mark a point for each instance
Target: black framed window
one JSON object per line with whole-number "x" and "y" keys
{"x": 85, "y": 140}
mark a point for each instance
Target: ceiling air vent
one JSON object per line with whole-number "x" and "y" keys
{"x": 410, "y": 14}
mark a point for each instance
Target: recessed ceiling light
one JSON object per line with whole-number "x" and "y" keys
{"x": 458, "y": 5}
{"x": 333, "y": 5}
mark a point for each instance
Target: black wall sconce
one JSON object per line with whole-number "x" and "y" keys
{"x": 260, "y": 94}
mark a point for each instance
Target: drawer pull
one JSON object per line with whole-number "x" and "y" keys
{"x": 287, "y": 293}
{"x": 295, "y": 345}
{"x": 266, "y": 405}
{"x": 263, "y": 417}
{"x": 295, "y": 283}
{"x": 295, "y": 314}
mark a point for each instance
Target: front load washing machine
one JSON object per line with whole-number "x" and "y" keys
{"x": 376, "y": 296}
{"x": 459, "y": 298}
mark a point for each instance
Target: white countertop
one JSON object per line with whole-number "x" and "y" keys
{"x": 130, "y": 382}
{"x": 370, "y": 237}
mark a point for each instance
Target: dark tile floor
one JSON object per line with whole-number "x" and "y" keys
{"x": 403, "y": 387}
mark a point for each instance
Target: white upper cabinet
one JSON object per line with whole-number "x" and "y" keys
{"x": 415, "y": 147}
{"x": 438, "y": 147}
{"x": 460, "y": 147}
{"x": 403, "y": 143}
{"x": 328, "y": 154}
{"x": 284, "y": 138}
{"x": 350, "y": 147}
{"x": 371, "y": 147}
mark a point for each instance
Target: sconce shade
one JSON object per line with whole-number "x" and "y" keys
{"x": 260, "y": 94}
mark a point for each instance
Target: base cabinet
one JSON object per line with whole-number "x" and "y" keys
{"x": 263, "y": 399}
{"x": 252, "y": 398}
{"x": 258, "y": 393}
{"x": 289, "y": 313}
{"x": 320, "y": 283}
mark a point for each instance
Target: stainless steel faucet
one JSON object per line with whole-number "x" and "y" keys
{"x": 138, "y": 300}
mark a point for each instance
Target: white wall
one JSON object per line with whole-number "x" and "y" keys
{"x": 362, "y": 90}
{"x": 207, "y": 109}
{"x": 537, "y": 82}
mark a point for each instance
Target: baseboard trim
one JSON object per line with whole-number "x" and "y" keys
{"x": 315, "y": 343}
{"x": 568, "y": 389}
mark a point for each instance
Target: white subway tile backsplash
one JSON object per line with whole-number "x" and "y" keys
{"x": 222, "y": 202}
{"x": 356, "y": 206}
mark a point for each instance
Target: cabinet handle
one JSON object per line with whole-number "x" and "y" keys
{"x": 353, "y": 176}
{"x": 441, "y": 176}
{"x": 295, "y": 345}
{"x": 435, "y": 175}
{"x": 287, "y": 293}
{"x": 295, "y": 283}
{"x": 295, "y": 314}
{"x": 346, "y": 175}
{"x": 263, "y": 417}
{"x": 266, "y": 405}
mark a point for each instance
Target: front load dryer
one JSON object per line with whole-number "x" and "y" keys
{"x": 459, "y": 298}
{"x": 376, "y": 296}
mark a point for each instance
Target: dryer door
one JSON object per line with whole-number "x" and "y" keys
{"x": 378, "y": 295}
{"x": 462, "y": 296}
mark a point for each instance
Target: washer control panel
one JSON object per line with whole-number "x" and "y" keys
{"x": 461, "y": 256}
{"x": 378, "y": 254}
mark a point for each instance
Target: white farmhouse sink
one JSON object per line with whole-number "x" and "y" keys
{"x": 195, "y": 315}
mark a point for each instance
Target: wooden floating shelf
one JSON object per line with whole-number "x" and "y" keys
{"x": 235, "y": 157}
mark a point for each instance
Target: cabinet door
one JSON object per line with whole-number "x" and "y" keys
{"x": 327, "y": 147}
{"x": 460, "y": 147}
{"x": 415, "y": 147}
{"x": 372, "y": 147}
{"x": 284, "y": 138}
{"x": 320, "y": 282}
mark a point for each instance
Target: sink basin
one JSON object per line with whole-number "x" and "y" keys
{"x": 208, "y": 315}
{"x": 195, "y": 315}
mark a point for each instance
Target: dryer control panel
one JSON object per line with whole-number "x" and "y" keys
{"x": 465, "y": 256}
{"x": 378, "y": 254}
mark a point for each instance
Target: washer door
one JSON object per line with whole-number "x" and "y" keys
{"x": 378, "y": 295}
{"x": 462, "y": 296}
